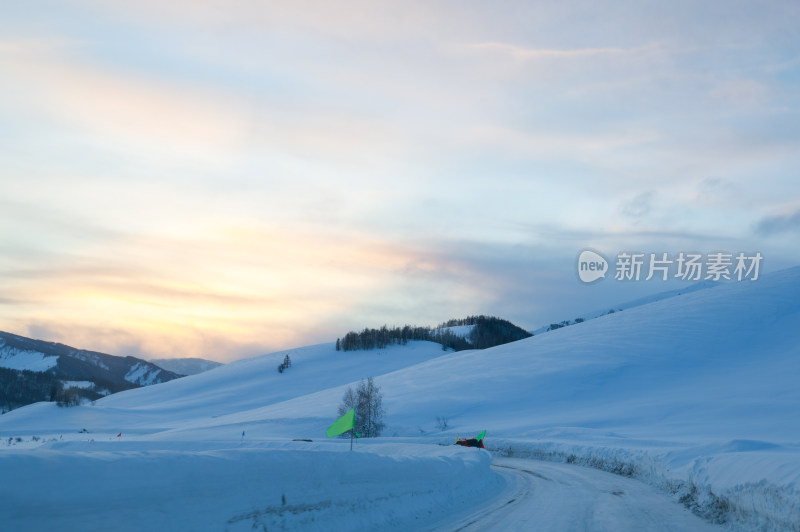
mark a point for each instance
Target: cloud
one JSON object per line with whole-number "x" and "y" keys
{"x": 240, "y": 285}
{"x": 120, "y": 341}
{"x": 105, "y": 101}
{"x": 744, "y": 93}
{"x": 36, "y": 214}
{"x": 525, "y": 54}
{"x": 349, "y": 19}
{"x": 611, "y": 237}
{"x": 716, "y": 191}
{"x": 779, "y": 223}
{"x": 15, "y": 302}
{"x": 549, "y": 143}
{"x": 639, "y": 206}
{"x": 182, "y": 176}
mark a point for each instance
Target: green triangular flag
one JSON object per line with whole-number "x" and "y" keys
{"x": 343, "y": 424}
{"x": 481, "y": 435}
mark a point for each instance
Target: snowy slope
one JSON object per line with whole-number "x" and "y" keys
{"x": 186, "y": 366}
{"x": 232, "y": 389}
{"x": 462, "y": 331}
{"x": 646, "y": 300}
{"x": 24, "y": 359}
{"x": 696, "y": 394}
{"x": 150, "y": 477}
{"x": 711, "y": 364}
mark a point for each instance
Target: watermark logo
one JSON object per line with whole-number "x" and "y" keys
{"x": 630, "y": 266}
{"x": 591, "y": 266}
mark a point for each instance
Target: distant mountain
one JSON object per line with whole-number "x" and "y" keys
{"x": 35, "y": 370}
{"x": 473, "y": 332}
{"x": 186, "y": 366}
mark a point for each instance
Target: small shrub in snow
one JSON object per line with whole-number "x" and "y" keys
{"x": 70, "y": 397}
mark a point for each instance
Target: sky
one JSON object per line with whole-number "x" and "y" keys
{"x": 222, "y": 179}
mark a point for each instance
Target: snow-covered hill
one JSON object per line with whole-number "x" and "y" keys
{"x": 230, "y": 390}
{"x": 151, "y": 471}
{"x": 185, "y": 366}
{"x": 646, "y": 300}
{"x": 696, "y": 394}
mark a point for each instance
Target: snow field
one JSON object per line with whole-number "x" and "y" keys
{"x": 274, "y": 486}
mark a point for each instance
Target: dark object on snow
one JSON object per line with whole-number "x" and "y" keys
{"x": 472, "y": 442}
{"x": 300, "y": 439}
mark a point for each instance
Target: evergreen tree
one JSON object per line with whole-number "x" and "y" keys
{"x": 488, "y": 331}
{"x": 287, "y": 363}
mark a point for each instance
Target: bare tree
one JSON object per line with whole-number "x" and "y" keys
{"x": 367, "y": 400}
{"x": 370, "y": 405}
{"x": 349, "y": 400}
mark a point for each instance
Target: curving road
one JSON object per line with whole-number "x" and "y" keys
{"x": 548, "y": 496}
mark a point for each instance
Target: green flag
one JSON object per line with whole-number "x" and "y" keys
{"x": 481, "y": 435}
{"x": 343, "y": 424}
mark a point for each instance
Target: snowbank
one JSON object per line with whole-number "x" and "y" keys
{"x": 122, "y": 486}
{"x": 739, "y": 483}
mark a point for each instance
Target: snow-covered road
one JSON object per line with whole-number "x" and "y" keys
{"x": 555, "y": 497}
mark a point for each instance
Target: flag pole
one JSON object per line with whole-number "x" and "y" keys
{"x": 351, "y": 437}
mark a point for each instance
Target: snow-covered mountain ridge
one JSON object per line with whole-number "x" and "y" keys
{"x": 44, "y": 370}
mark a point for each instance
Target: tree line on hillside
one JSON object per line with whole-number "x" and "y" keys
{"x": 23, "y": 387}
{"x": 488, "y": 331}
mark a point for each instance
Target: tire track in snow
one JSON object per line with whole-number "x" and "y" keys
{"x": 554, "y": 496}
